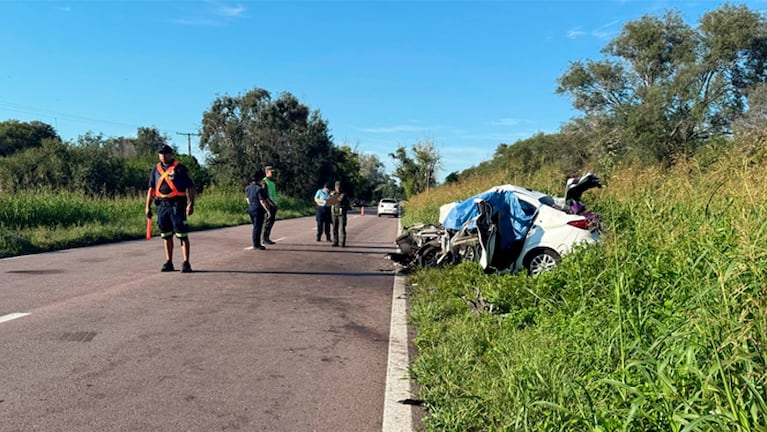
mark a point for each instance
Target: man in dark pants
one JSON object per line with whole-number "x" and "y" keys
{"x": 172, "y": 190}
{"x": 271, "y": 201}
{"x": 255, "y": 196}
{"x": 323, "y": 212}
{"x": 339, "y": 208}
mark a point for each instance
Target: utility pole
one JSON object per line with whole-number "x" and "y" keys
{"x": 188, "y": 139}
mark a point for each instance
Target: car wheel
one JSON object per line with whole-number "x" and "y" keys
{"x": 538, "y": 261}
{"x": 428, "y": 255}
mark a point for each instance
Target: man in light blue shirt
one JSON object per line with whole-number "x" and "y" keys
{"x": 323, "y": 212}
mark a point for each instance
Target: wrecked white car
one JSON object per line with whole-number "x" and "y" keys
{"x": 506, "y": 228}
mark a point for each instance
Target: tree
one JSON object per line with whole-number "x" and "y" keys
{"x": 372, "y": 176}
{"x": 346, "y": 165}
{"x": 668, "y": 87}
{"x": 405, "y": 170}
{"x": 148, "y": 139}
{"x": 418, "y": 173}
{"x": 388, "y": 189}
{"x": 428, "y": 160}
{"x": 245, "y": 133}
{"x": 16, "y": 135}
{"x": 453, "y": 177}
{"x": 751, "y": 128}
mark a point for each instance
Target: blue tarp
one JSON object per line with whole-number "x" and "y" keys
{"x": 513, "y": 223}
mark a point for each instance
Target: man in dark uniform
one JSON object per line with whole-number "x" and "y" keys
{"x": 258, "y": 209}
{"x": 339, "y": 207}
{"x": 271, "y": 201}
{"x": 173, "y": 192}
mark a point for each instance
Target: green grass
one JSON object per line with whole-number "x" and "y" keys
{"x": 662, "y": 327}
{"x": 32, "y": 222}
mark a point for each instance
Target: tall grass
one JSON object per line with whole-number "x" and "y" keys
{"x": 33, "y": 222}
{"x": 662, "y": 327}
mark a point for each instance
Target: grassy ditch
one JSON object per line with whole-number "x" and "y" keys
{"x": 662, "y": 327}
{"x": 32, "y": 222}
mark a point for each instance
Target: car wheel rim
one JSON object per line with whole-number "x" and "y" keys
{"x": 429, "y": 258}
{"x": 541, "y": 263}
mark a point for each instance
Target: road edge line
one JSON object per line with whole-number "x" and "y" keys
{"x": 397, "y": 416}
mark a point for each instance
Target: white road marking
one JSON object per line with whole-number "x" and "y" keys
{"x": 12, "y": 316}
{"x": 397, "y": 416}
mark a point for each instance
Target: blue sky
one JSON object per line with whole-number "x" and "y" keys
{"x": 465, "y": 75}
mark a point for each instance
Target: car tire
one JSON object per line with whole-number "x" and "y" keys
{"x": 541, "y": 260}
{"x": 428, "y": 255}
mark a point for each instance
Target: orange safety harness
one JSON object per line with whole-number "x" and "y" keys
{"x": 165, "y": 176}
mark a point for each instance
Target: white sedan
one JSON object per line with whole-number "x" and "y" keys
{"x": 553, "y": 233}
{"x": 388, "y": 206}
{"x": 518, "y": 228}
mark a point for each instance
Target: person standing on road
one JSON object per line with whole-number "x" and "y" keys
{"x": 323, "y": 212}
{"x": 339, "y": 208}
{"x": 173, "y": 192}
{"x": 258, "y": 208}
{"x": 271, "y": 201}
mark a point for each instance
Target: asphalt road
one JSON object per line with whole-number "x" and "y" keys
{"x": 293, "y": 338}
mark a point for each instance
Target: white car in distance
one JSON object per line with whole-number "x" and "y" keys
{"x": 388, "y": 206}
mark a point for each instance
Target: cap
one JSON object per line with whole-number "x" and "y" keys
{"x": 268, "y": 168}
{"x": 165, "y": 149}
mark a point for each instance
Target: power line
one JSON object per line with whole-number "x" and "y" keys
{"x": 188, "y": 139}
{"x": 60, "y": 115}
{"x": 57, "y": 115}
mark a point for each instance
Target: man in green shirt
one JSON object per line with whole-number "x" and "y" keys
{"x": 339, "y": 208}
{"x": 271, "y": 193}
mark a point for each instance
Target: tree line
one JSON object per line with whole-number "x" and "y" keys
{"x": 664, "y": 91}
{"x": 241, "y": 134}
{"x": 34, "y": 157}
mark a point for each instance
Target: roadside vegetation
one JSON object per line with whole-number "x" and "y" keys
{"x": 661, "y": 327}
{"x": 57, "y": 194}
{"x": 32, "y": 222}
